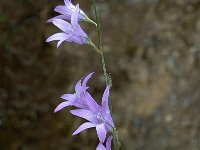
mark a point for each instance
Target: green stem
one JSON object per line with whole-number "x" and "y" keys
{"x": 104, "y": 68}
{"x": 116, "y": 142}
{"x": 94, "y": 47}
{"x": 98, "y": 24}
{"x": 108, "y": 79}
{"x": 90, "y": 21}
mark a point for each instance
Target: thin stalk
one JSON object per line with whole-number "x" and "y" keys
{"x": 116, "y": 141}
{"x": 94, "y": 47}
{"x": 108, "y": 79}
{"x": 98, "y": 24}
{"x": 104, "y": 68}
{"x": 90, "y": 21}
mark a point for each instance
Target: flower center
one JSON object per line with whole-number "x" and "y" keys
{"x": 99, "y": 117}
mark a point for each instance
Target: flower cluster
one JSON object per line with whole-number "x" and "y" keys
{"x": 97, "y": 116}
{"x": 86, "y": 107}
{"x": 72, "y": 32}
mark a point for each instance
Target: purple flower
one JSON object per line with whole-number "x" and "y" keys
{"x": 97, "y": 116}
{"x": 67, "y": 10}
{"x": 71, "y": 32}
{"x": 77, "y": 99}
{"x": 108, "y": 145}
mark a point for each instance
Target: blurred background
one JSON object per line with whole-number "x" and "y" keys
{"x": 152, "y": 50}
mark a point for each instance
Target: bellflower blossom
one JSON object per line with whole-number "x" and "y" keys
{"x": 77, "y": 99}
{"x": 71, "y": 32}
{"x": 67, "y": 10}
{"x": 97, "y": 116}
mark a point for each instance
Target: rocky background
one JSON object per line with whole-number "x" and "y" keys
{"x": 152, "y": 50}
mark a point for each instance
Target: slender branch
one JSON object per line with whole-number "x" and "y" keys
{"x": 116, "y": 142}
{"x": 98, "y": 24}
{"x": 94, "y": 47}
{"x": 108, "y": 79}
{"x": 104, "y": 69}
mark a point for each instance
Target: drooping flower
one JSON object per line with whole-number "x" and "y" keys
{"x": 97, "y": 116}
{"x": 71, "y": 32}
{"x": 77, "y": 99}
{"x": 67, "y": 10}
{"x": 108, "y": 145}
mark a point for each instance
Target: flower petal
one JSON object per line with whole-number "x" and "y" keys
{"x": 59, "y": 43}
{"x": 69, "y": 97}
{"x": 78, "y": 87}
{"x": 58, "y": 36}
{"x": 100, "y": 147}
{"x": 108, "y": 143}
{"x": 63, "y": 10}
{"x": 83, "y": 113}
{"x": 62, "y": 105}
{"x": 106, "y": 95}
{"x": 86, "y": 80}
{"x": 74, "y": 17}
{"x": 79, "y": 39}
{"x": 60, "y": 17}
{"x": 107, "y": 116}
{"x": 101, "y": 132}
{"x": 63, "y": 25}
{"x": 84, "y": 126}
{"x": 105, "y": 107}
{"x": 92, "y": 104}
{"x": 68, "y": 2}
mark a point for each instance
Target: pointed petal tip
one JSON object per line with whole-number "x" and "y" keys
{"x": 49, "y": 21}
{"x": 92, "y": 73}
{"x": 59, "y": 43}
{"x": 69, "y": 97}
{"x": 55, "y": 110}
{"x": 89, "y": 75}
{"x": 71, "y": 111}
{"x": 58, "y": 108}
{"x": 101, "y": 132}
{"x": 55, "y": 20}
{"x": 62, "y": 105}
{"x": 83, "y": 127}
{"x": 86, "y": 78}
{"x": 47, "y": 40}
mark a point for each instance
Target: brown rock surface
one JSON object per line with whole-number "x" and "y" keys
{"x": 152, "y": 50}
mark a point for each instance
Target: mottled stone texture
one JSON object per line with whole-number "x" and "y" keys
{"x": 152, "y": 49}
